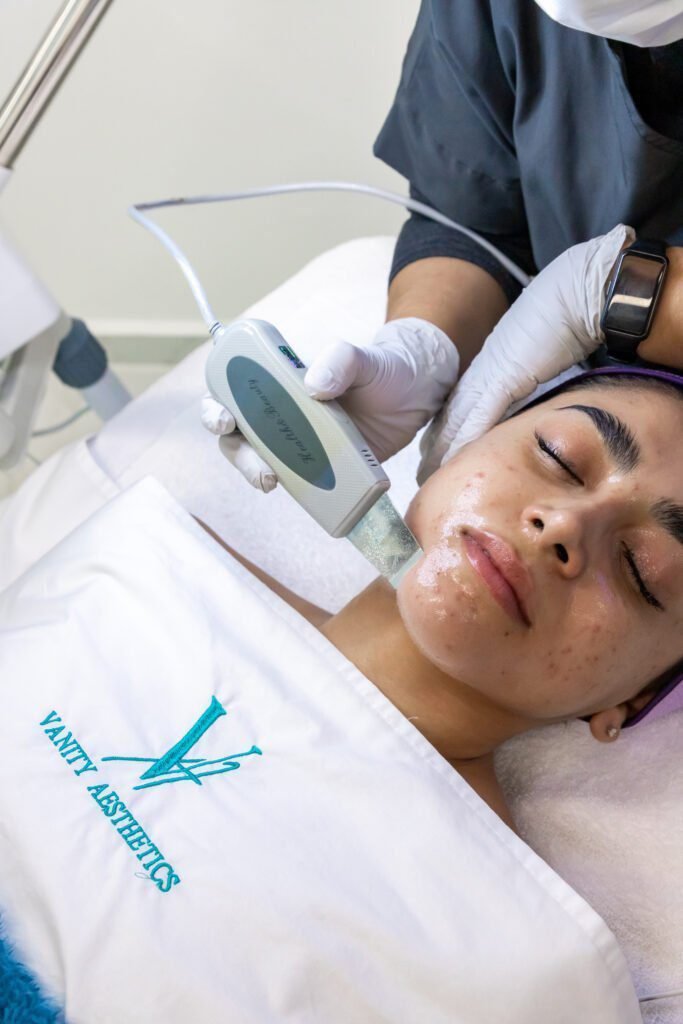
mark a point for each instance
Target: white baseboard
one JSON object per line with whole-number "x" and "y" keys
{"x": 148, "y": 341}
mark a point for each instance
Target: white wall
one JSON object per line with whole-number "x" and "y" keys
{"x": 176, "y": 98}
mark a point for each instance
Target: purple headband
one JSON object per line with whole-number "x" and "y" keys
{"x": 670, "y": 696}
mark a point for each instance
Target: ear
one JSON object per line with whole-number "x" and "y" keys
{"x": 606, "y": 725}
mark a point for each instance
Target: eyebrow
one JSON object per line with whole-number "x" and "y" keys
{"x": 669, "y": 515}
{"x": 619, "y": 440}
{"x": 625, "y": 451}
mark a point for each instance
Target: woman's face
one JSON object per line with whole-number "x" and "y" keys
{"x": 552, "y": 577}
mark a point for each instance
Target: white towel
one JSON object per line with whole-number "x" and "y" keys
{"x": 609, "y": 818}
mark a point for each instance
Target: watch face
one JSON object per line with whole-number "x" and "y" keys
{"x": 634, "y": 294}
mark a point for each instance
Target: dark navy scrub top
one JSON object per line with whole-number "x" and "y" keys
{"x": 532, "y": 134}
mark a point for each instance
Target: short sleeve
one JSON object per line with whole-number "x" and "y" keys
{"x": 450, "y": 130}
{"x": 421, "y": 238}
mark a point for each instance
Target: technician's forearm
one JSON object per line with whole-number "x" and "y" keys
{"x": 459, "y": 297}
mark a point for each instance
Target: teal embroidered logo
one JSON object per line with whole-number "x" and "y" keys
{"x": 175, "y": 766}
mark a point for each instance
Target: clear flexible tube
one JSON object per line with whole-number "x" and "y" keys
{"x": 212, "y": 322}
{"x": 202, "y": 301}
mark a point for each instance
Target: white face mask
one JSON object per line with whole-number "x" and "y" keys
{"x": 641, "y": 22}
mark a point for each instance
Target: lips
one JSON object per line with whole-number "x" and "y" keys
{"x": 503, "y": 572}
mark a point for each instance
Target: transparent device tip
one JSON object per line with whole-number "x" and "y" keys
{"x": 383, "y": 538}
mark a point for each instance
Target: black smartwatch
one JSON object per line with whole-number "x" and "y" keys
{"x": 632, "y": 295}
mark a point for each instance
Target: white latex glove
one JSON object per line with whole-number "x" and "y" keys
{"x": 236, "y": 449}
{"x": 554, "y": 324}
{"x": 390, "y": 389}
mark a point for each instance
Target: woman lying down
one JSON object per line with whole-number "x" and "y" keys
{"x": 219, "y": 806}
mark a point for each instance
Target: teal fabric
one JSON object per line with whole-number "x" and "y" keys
{"x": 21, "y": 998}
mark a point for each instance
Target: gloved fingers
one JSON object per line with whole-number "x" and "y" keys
{"x": 600, "y": 256}
{"x": 392, "y": 387}
{"x": 339, "y": 367}
{"x": 489, "y": 411}
{"x": 215, "y": 417}
{"x": 455, "y": 427}
{"x": 463, "y": 399}
{"x": 255, "y": 471}
{"x": 439, "y": 435}
{"x": 431, "y": 451}
{"x": 553, "y": 325}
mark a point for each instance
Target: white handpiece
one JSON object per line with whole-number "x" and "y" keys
{"x": 346, "y": 494}
{"x": 317, "y": 451}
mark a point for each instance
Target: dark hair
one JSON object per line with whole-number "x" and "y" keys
{"x": 667, "y": 680}
{"x": 622, "y": 380}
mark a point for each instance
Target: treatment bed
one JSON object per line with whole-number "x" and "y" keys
{"x": 607, "y": 819}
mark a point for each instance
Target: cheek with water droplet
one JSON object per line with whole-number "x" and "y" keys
{"x": 437, "y": 600}
{"x": 437, "y": 561}
{"x": 432, "y": 577}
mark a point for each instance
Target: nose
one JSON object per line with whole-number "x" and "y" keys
{"x": 559, "y": 532}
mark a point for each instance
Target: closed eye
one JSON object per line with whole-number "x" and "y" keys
{"x": 633, "y": 567}
{"x": 549, "y": 450}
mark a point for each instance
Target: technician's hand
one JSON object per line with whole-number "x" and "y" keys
{"x": 219, "y": 421}
{"x": 554, "y": 324}
{"x": 390, "y": 389}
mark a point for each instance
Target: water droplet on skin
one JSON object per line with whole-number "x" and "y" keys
{"x": 436, "y": 563}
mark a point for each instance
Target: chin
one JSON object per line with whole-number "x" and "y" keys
{"x": 442, "y": 616}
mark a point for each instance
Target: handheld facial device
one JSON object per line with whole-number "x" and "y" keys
{"x": 316, "y": 450}
{"x": 318, "y": 453}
